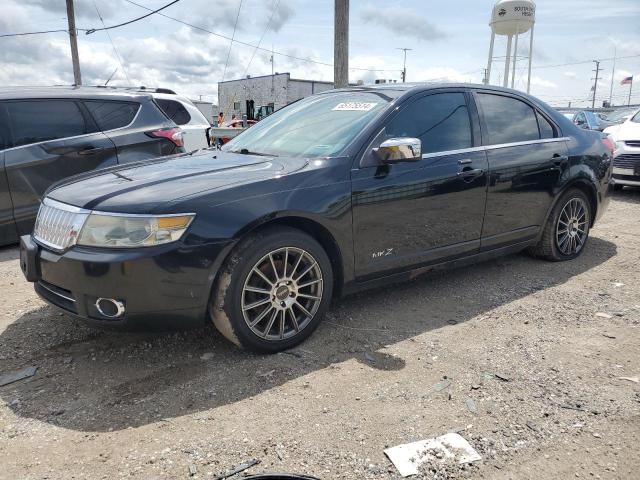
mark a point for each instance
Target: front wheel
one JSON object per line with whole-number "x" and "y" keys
{"x": 273, "y": 291}
{"x": 567, "y": 229}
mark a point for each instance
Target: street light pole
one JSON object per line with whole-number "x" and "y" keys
{"x": 404, "y": 67}
{"x": 341, "y": 44}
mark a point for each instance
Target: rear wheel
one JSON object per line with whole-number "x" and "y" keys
{"x": 273, "y": 291}
{"x": 567, "y": 229}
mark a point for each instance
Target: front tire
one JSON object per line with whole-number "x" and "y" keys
{"x": 567, "y": 229}
{"x": 273, "y": 291}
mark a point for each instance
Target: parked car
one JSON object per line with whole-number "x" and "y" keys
{"x": 591, "y": 120}
{"x": 621, "y": 115}
{"x": 48, "y": 134}
{"x": 185, "y": 114}
{"x": 338, "y": 192}
{"x": 626, "y": 160}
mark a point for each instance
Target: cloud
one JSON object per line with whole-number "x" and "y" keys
{"x": 541, "y": 82}
{"x": 402, "y": 21}
{"x": 570, "y": 74}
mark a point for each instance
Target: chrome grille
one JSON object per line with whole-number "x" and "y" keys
{"x": 626, "y": 160}
{"x": 58, "y": 224}
{"x": 632, "y": 143}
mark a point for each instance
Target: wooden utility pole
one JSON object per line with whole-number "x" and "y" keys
{"x": 595, "y": 83}
{"x": 341, "y": 44}
{"x": 73, "y": 39}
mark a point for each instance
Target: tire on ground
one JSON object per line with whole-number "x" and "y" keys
{"x": 225, "y": 308}
{"x": 547, "y": 248}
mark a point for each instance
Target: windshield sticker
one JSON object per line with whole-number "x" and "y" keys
{"x": 361, "y": 106}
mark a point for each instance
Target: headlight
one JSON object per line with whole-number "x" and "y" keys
{"x": 125, "y": 231}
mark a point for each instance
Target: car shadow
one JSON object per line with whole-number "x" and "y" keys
{"x": 10, "y": 252}
{"x": 92, "y": 380}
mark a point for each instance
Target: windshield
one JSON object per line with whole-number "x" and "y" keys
{"x": 619, "y": 115}
{"x": 317, "y": 126}
{"x": 636, "y": 118}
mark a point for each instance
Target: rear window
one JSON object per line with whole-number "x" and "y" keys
{"x": 110, "y": 115}
{"x": 174, "y": 110}
{"x": 35, "y": 121}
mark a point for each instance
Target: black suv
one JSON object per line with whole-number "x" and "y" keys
{"x": 49, "y": 134}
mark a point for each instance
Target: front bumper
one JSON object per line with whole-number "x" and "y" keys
{"x": 626, "y": 166}
{"x": 160, "y": 287}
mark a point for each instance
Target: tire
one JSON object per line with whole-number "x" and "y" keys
{"x": 617, "y": 187}
{"x": 248, "y": 300}
{"x": 573, "y": 209}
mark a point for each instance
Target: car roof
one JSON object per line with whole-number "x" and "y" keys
{"x": 16, "y": 93}
{"x": 402, "y": 89}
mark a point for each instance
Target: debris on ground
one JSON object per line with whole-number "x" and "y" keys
{"x": 17, "y": 375}
{"x": 631, "y": 379}
{"x": 450, "y": 447}
{"x": 206, "y": 356}
{"x": 240, "y": 468}
{"x": 438, "y": 387}
{"x": 471, "y": 405}
{"x": 604, "y": 315}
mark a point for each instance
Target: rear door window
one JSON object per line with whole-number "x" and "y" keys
{"x": 110, "y": 115}
{"x": 440, "y": 121}
{"x": 35, "y": 121}
{"x": 174, "y": 110}
{"x": 507, "y": 120}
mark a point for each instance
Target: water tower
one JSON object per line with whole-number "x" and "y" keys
{"x": 511, "y": 18}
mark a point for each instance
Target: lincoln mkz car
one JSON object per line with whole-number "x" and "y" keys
{"x": 337, "y": 192}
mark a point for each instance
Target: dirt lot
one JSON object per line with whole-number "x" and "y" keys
{"x": 522, "y": 357}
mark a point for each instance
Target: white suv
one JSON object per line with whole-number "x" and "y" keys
{"x": 194, "y": 125}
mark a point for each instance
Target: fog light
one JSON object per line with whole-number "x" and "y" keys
{"x": 109, "y": 307}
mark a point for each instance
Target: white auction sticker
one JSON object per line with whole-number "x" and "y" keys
{"x": 361, "y": 106}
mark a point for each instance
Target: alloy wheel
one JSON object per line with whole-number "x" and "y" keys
{"x": 282, "y": 293}
{"x": 572, "y": 228}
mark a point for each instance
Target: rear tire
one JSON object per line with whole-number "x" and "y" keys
{"x": 567, "y": 229}
{"x": 273, "y": 290}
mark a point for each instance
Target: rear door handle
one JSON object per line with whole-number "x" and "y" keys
{"x": 90, "y": 150}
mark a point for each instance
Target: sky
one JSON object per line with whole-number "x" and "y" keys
{"x": 449, "y": 42}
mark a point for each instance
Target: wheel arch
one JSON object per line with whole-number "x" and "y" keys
{"x": 312, "y": 228}
{"x": 584, "y": 185}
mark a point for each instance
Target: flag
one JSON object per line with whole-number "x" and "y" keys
{"x": 627, "y": 81}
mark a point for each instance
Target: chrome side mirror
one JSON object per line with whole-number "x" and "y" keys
{"x": 396, "y": 150}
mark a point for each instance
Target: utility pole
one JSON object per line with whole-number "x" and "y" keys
{"x": 613, "y": 71}
{"x": 341, "y": 44}
{"x": 485, "y": 76}
{"x": 404, "y": 67}
{"x": 595, "y": 83}
{"x": 73, "y": 39}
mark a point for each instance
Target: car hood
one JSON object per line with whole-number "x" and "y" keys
{"x": 625, "y": 131}
{"x": 145, "y": 186}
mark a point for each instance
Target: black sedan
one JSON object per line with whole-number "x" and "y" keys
{"x": 335, "y": 193}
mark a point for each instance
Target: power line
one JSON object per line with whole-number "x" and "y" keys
{"x": 233, "y": 36}
{"x": 93, "y": 30}
{"x": 585, "y": 62}
{"x": 32, "y": 33}
{"x": 113, "y": 45}
{"x": 266, "y": 29}
{"x": 246, "y": 44}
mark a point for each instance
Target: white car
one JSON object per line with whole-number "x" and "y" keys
{"x": 194, "y": 125}
{"x": 626, "y": 157}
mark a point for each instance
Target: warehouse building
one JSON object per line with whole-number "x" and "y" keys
{"x": 258, "y": 96}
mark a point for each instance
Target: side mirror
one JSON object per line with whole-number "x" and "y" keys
{"x": 396, "y": 150}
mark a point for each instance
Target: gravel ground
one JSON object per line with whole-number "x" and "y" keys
{"x": 522, "y": 357}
